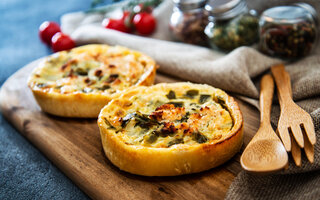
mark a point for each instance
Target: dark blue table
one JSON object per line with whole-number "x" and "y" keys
{"x": 25, "y": 173}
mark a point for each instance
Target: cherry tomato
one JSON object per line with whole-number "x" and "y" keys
{"x": 116, "y": 24}
{"x": 47, "y": 30}
{"x": 61, "y": 42}
{"x": 145, "y": 23}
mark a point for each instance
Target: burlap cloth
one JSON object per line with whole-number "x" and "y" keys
{"x": 238, "y": 72}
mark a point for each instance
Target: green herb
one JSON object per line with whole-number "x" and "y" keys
{"x": 58, "y": 87}
{"x": 199, "y": 137}
{"x": 112, "y": 78}
{"x": 143, "y": 120}
{"x": 192, "y": 93}
{"x": 152, "y": 137}
{"x": 204, "y": 98}
{"x": 185, "y": 117}
{"x": 87, "y": 90}
{"x": 175, "y": 141}
{"x": 108, "y": 124}
{"x": 104, "y": 87}
{"x": 171, "y": 95}
{"x": 126, "y": 119}
{"x": 81, "y": 71}
{"x": 176, "y": 104}
{"x": 41, "y": 85}
{"x": 223, "y": 104}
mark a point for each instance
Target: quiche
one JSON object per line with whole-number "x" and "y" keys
{"x": 79, "y": 82}
{"x": 170, "y": 129}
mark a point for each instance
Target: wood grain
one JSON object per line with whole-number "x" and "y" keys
{"x": 74, "y": 146}
{"x": 265, "y": 153}
{"x": 294, "y": 122}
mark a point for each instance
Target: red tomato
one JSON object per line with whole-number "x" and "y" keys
{"x": 116, "y": 24}
{"x": 47, "y": 30}
{"x": 145, "y": 23}
{"x": 61, "y": 42}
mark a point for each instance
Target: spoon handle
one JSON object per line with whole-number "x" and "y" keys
{"x": 266, "y": 96}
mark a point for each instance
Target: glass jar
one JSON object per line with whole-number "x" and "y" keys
{"x": 188, "y": 21}
{"x": 231, "y": 24}
{"x": 288, "y": 31}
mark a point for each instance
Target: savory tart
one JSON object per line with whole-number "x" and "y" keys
{"x": 170, "y": 129}
{"x": 79, "y": 82}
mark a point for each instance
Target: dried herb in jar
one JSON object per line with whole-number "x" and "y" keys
{"x": 228, "y": 35}
{"x": 231, "y": 24}
{"x": 191, "y": 29}
{"x": 290, "y": 41}
{"x": 188, "y": 21}
{"x": 288, "y": 31}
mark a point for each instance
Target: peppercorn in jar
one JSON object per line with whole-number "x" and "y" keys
{"x": 288, "y": 31}
{"x": 231, "y": 24}
{"x": 188, "y": 21}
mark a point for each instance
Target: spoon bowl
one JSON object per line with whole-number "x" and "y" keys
{"x": 264, "y": 156}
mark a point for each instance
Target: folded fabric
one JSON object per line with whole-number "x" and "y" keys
{"x": 238, "y": 72}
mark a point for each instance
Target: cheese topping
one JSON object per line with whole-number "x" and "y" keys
{"x": 167, "y": 118}
{"x": 90, "y": 69}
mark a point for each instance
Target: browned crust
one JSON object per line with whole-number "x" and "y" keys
{"x": 82, "y": 105}
{"x": 178, "y": 159}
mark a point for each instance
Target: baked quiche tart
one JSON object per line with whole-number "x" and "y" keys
{"x": 79, "y": 82}
{"x": 170, "y": 129}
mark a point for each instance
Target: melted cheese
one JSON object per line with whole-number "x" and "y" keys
{"x": 165, "y": 118}
{"x": 90, "y": 69}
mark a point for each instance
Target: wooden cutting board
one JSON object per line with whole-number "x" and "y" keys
{"x": 74, "y": 146}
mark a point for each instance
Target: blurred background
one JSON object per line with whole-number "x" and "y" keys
{"x": 25, "y": 173}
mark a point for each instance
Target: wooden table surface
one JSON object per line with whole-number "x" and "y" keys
{"x": 74, "y": 146}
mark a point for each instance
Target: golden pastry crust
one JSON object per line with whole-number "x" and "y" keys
{"x": 171, "y": 129}
{"x": 79, "y": 82}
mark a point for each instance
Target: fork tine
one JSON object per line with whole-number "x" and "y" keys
{"x": 296, "y": 152}
{"x": 309, "y": 128}
{"x": 308, "y": 148}
{"x": 285, "y": 137}
{"x": 296, "y": 132}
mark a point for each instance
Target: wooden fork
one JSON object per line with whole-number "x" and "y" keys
{"x": 295, "y": 126}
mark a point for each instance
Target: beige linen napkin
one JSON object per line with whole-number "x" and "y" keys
{"x": 238, "y": 72}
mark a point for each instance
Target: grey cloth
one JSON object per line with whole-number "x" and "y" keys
{"x": 238, "y": 72}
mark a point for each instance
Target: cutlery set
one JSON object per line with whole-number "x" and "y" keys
{"x": 266, "y": 152}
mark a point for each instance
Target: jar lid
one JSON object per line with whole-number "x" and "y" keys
{"x": 292, "y": 12}
{"x": 310, "y": 9}
{"x": 225, "y": 9}
{"x": 190, "y": 4}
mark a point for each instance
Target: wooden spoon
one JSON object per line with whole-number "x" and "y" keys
{"x": 265, "y": 152}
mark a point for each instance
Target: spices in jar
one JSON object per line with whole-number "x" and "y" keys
{"x": 288, "y": 31}
{"x": 231, "y": 24}
{"x": 188, "y": 21}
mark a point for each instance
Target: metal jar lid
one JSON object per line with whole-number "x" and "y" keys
{"x": 189, "y": 4}
{"x": 290, "y": 13}
{"x": 225, "y": 9}
{"x": 311, "y": 10}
